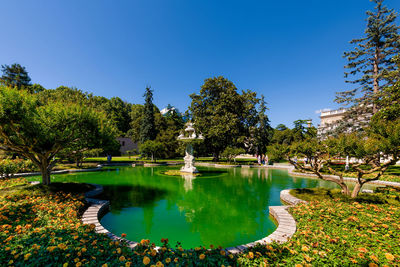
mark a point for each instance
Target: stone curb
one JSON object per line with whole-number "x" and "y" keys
{"x": 286, "y": 197}
{"x": 98, "y": 208}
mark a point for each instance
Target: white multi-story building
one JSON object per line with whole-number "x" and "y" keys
{"x": 330, "y": 120}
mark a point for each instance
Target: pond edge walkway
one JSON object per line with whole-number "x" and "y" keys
{"x": 285, "y": 230}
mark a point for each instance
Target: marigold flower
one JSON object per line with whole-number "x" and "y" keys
{"x": 374, "y": 258}
{"x": 364, "y": 250}
{"x": 223, "y": 252}
{"x": 202, "y": 256}
{"x": 26, "y": 257}
{"x": 123, "y": 235}
{"x": 128, "y": 264}
{"x": 305, "y": 248}
{"x": 104, "y": 265}
{"x": 176, "y": 260}
{"x": 389, "y": 256}
{"x": 122, "y": 258}
{"x": 159, "y": 264}
{"x": 146, "y": 260}
{"x": 168, "y": 260}
{"x": 372, "y": 264}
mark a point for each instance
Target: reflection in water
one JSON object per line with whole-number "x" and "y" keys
{"x": 221, "y": 207}
{"x": 188, "y": 177}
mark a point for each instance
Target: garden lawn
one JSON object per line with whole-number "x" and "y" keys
{"x": 337, "y": 231}
{"x": 40, "y": 225}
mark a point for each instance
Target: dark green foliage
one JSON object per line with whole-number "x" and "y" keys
{"x": 264, "y": 131}
{"x": 151, "y": 149}
{"x": 223, "y": 116}
{"x": 369, "y": 63}
{"x": 389, "y": 97}
{"x": 148, "y": 127}
{"x": 15, "y": 76}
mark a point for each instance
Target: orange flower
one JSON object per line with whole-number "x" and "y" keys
{"x": 251, "y": 255}
{"x": 128, "y": 264}
{"x": 146, "y": 260}
{"x": 202, "y": 256}
{"x": 222, "y": 252}
{"x": 26, "y": 257}
{"x": 389, "y": 256}
{"x": 374, "y": 258}
{"x": 123, "y": 235}
{"x": 364, "y": 250}
{"x": 372, "y": 264}
{"x": 167, "y": 260}
{"x": 122, "y": 258}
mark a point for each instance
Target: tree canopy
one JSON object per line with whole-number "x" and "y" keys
{"x": 15, "y": 76}
{"x": 39, "y": 130}
{"x": 224, "y": 116}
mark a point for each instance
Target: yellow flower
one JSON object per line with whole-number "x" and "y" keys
{"x": 11, "y": 262}
{"x": 65, "y": 264}
{"x": 119, "y": 250}
{"x": 308, "y": 258}
{"x": 202, "y": 256}
{"x": 78, "y": 264}
{"x": 104, "y": 265}
{"x": 222, "y": 252}
{"x": 176, "y": 260}
{"x": 305, "y": 248}
{"x": 146, "y": 260}
{"x": 128, "y": 264}
{"x": 84, "y": 250}
{"x": 153, "y": 253}
{"x": 389, "y": 256}
{"x": 159, "y": 264}
{"x": 167, "y": 260}
{"x": 122, "y": 258}
{"x": 26, "y": 257}
{"x": 251, "y": 255}
{"x": 372, "y": 264}
{"x": 298, "y": 265}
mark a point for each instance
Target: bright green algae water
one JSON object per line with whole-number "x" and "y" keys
{"x": 223, "y": 207}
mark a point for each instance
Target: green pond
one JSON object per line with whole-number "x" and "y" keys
{"x": 223, "y": 207}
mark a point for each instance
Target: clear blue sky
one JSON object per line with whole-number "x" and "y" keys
{"x": 290, "y": 51}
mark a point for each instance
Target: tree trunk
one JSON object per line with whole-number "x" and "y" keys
{"x": 356, "y": 190}
{"x": 376, "y": 81}
{"x": 45, "y": 170}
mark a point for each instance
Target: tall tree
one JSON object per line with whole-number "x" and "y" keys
{"x": 368, "y": 63}
{"x": 264, "y": 130}
{"x": 148, "y": 128}
{"x": 15, "y": 76}
{"x": 222, "y": 114}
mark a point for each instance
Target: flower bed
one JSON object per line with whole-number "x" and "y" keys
{"x": 10, "y": 182}
{"x": 41, "y": 227}
{"x": 340, "y": 232}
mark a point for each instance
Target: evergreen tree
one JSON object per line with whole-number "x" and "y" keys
{"x": 264, "y": 130}
{"x": 15, "y": 76}
{"x": 369, "y": 63}
{"x": 147, "y": 128}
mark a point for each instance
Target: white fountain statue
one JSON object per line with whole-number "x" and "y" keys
{"x": 189, "y": 138}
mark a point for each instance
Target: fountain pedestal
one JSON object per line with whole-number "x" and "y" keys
{"x": 189, "y": 138}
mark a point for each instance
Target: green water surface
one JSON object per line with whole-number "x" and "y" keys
{"x": 222, "y": 207}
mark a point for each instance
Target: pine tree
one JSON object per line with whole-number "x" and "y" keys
{"x": 264, "y": 130}
{"x": 369, "y": 63}
{"x": 147, "y": 127}
{"x": 15, "y": 76}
